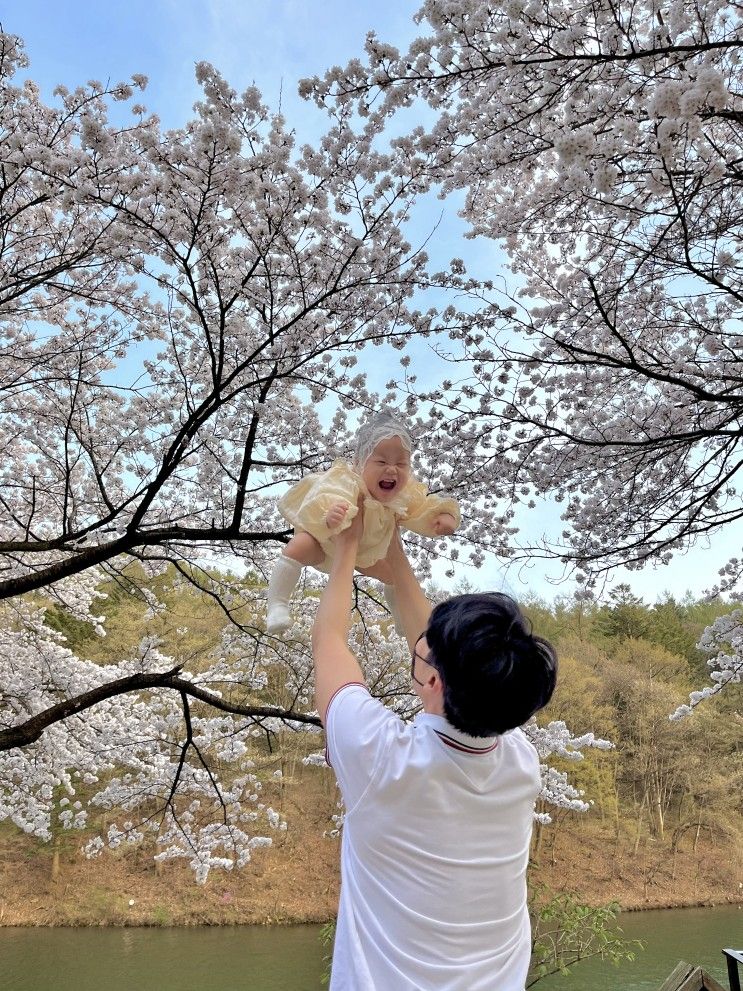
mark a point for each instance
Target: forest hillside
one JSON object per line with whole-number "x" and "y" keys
{"x": 664, "y": 825}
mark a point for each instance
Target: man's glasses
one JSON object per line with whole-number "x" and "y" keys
{"x": 416, "y": 656}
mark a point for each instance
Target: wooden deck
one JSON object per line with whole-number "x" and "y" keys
{"x": 688, "y": 978}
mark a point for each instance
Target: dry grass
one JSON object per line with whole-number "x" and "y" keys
{"x": 297, "y": 879}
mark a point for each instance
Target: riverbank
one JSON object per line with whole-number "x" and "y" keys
{"x": 297, "y": 879}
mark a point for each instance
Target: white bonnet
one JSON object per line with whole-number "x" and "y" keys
{"x": 380, "y": 427}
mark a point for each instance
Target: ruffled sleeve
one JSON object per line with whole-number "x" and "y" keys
{"x": 306, "y": 504}
{"x": 422, "y": 509}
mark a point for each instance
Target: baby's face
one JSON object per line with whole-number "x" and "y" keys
{"x": 387, "y": 469}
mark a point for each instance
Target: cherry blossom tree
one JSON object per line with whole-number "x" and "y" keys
{"x": 184, "y": 319}
{"x": 233, "y": 277}
{"x": 600, "y": 144}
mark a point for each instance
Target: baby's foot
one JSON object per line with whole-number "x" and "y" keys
{"x": 278, "y": 619}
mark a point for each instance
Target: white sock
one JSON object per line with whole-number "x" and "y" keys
{"x": 391, "y": 600}
{"x": 282, "y": 583}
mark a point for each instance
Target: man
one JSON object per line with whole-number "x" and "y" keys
{"x": 438, "y": 811}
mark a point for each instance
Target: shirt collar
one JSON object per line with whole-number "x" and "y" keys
{"x": 454, "y": 738}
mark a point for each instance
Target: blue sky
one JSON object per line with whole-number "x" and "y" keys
{"x": 274, "y": 43}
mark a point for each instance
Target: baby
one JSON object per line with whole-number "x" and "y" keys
{"x": 322, "y": 505}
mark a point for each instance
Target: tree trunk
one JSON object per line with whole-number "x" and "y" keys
{"x": 638, "y": 835}
{"x": 55, "y": 858}
{"x": 538, "y": 837}
{"x": 659, "y": 817}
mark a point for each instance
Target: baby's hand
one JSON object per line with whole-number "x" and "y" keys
{"x": 444, "y": 525}
{"x": 335, "y": 515}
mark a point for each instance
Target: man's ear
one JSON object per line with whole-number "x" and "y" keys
{"x": 436, "y": 683}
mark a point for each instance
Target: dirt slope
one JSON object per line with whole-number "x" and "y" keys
{"x": 297, "y": 879}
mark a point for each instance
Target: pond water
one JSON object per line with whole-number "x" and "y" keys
{"x": 218, "y": 958}
{"x": 252, "y": 958}
{"x": 696, "y": 935}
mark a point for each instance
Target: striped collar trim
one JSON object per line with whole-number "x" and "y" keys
{"x": 339, "y": 689}
{"x": 348, "y": 684}
{"x": 464, "y": 748}
{"x": 454, "y": 738}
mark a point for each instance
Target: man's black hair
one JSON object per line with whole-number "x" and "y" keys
{"x": 496, "y": 673}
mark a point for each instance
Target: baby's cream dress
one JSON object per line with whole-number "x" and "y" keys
{"x": 306, "y": 504}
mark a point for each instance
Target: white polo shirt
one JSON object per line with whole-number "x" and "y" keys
{"x": 434, "y": 851}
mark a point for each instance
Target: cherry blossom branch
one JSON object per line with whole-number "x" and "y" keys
{"x": 31, "y": 729}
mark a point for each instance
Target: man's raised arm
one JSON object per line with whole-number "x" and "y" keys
{"x": 335, "y": 665}
{"x": 413, "y": 607}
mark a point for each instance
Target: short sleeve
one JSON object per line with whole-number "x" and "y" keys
{"x": 422, "y": 510}
{"x": 358, "y": 731}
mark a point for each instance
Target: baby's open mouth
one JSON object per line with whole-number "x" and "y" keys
{"x": 387, "y": 484}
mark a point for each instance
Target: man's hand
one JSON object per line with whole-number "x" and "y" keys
{"x": 352, "y": 533}
{"x": 335, "y": 664}
{"x": 413, "y": 607}
{"x": 395, "y": 552}
{"x": 336, "y": 515}
{"x": 444, "y": 525}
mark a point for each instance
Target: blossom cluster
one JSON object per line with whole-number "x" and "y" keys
{"x": 724, "y": 640}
